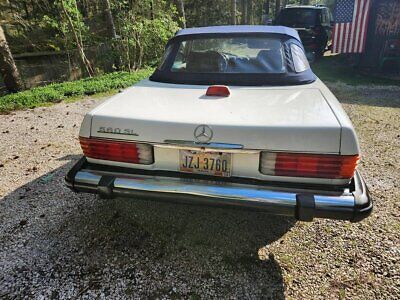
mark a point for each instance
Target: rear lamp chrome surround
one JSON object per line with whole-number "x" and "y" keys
{"x": 328, "y": 166}
{"x": 117, "y": 150}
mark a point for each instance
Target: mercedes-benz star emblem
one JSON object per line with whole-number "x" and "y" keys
{"x": 203, "y": 134}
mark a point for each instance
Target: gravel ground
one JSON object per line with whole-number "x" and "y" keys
{"x": 57, "y": 244}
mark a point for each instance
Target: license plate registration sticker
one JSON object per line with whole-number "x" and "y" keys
{"x": 209, "y": 163}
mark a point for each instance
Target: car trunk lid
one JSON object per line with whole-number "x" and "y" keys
{"x": 294, "y": 118}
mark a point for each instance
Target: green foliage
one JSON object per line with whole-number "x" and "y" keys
{"x": 70, "y": 20}
{"x": 208, "y": 12}
{"x": 144, "y": 30}
{"x": 57, "y": 92}
{"x": 82, "y": 27}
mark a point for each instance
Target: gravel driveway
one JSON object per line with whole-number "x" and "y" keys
{"x": 57, "y": 244}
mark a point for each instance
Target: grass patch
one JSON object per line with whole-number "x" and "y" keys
{"x": 58, "y": 92}
{"x": 336, "y": 69}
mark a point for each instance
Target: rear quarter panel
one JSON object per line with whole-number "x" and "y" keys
{"x": 349, "y": 142}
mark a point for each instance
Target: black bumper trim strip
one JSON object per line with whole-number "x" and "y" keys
{"x": 105, "y": 187}
{"x": 305, "y": 207}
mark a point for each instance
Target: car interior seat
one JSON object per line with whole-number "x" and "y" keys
{"x": 203, "y": 62}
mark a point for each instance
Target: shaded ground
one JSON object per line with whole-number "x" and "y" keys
{"x": 57, "y": 244}
{"x": 339, "y": 68}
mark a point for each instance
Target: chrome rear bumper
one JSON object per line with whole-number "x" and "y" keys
{"x": 348, "y": 203}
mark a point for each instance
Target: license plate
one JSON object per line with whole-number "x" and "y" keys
{"x": 209, "y": 163}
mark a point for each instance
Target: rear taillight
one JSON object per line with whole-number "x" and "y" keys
{"x": 120, "y": 151}
{"x": 308, "y": 165}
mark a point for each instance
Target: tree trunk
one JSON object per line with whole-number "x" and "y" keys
{"x": 244, "y": 12}
{"x": 266, "y": 7}
{"x": 265, "y": 13}
{"x": 151, "y": 10}
{"x": 233, "y": 12}
{"x": 181, "y": 8}
{"x": 8, "y": 69}
{"x": 109, "y": 20}
{"x": 250, "y": 16}
{"x": 277, "y": 7}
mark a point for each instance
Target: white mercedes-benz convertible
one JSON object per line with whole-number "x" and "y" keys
{"x": 232, "y": 116}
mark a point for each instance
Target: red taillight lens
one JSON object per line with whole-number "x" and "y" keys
{"x": 308, "y": 165}
{"x": 218, "y": 90}
{"x": 120, "y": 151}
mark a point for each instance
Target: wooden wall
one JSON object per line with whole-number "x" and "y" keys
{"x": 384, "y": 24}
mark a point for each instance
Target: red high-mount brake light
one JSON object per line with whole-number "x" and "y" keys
{"x": 119, "y": 151}
{"x": 308, "y": 165}
{"x": 218, "y": 90}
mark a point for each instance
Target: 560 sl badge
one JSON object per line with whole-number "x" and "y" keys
{"x": 111, "y": 130}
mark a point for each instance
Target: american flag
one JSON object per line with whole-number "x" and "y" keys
{"x": 351, "y": 22}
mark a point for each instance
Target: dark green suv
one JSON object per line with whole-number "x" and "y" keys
{"x": 314, "y": 24}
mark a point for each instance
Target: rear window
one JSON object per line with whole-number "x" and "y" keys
{"x": 298, "y": 17}
{"x": 300, "y": 61}
{"x": 243, "y": 59}
{"x": 230, "y": 55}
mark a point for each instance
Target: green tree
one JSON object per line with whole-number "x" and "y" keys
{"x": 144, "y": 28}
{"x": 74, "y": 29}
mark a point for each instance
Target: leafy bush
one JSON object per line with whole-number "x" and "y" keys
{"x": 142, "y": 39}
{"x": 54, "y": 93}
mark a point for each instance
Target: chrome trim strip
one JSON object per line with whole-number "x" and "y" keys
{"x": 87, "y": 177}
{"x": 328, "y": 202}
{"x": 211, "y": 147}
{"x": 208, "y": 145}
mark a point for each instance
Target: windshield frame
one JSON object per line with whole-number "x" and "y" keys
{"x": 164, "y": 74}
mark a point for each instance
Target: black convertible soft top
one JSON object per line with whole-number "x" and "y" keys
{"x": 240, "y": 29}
{"x": 288, "y": 36}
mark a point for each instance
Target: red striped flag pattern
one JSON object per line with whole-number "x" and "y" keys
{"x": 351, "y": 23}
